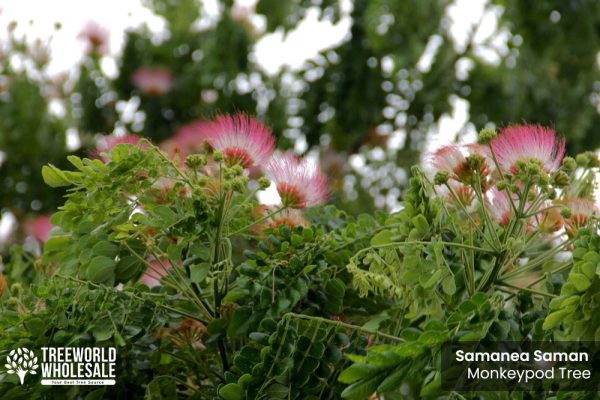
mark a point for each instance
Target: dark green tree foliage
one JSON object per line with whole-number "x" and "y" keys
{"x": 198, "y": 60}
{"x": 67, "y": 313}
{"x": 29, "y": 137}
{"x": 550, "y": 75}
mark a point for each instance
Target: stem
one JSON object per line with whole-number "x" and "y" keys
{"x": 464, "y": 209}
{"x": 135, "y": 296}
{"x": 215, "y": 260}
{"x": 540, "y": 260}
{"x": 258, "y": 221}
{"x": 526, "y": 289}
{"x": 488, "y": 220}
{"x": 460, "y": 245}
{"x": 343, "y": 324}
{"x": 497, "y": 164}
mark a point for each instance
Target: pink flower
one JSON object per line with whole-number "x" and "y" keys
{"x": 107, "y": 143}
{"x": 528, "y": 142}
{"x": 39, "y": 228}
{"x": 153, "y": 81}
{"x": 581, "y": 211}
{"x": 499, "y": 206}
{"x": 243, "y": 140}
{"x": 300, "y": 183}
{"x": 189, "y": 139}
{"x": 97, "y": 38}
{"x": 449, "y": 158}
{"x": 454, "y": 159}
{"x": 153, "y": 275}
{"x": 290, "y": 217}
{"x": 464, "y": 194}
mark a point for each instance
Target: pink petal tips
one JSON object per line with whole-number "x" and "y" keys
{"x": 153, "y": 81}
{"x": 528, "y": 142}
{"x": 243, "y": 140}
{"x": 300, "y": 183}
{"x": 108, "y": 143}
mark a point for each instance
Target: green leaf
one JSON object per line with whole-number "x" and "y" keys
{"x": 119, "y": 341}
{"x": 240, "y": 321}
{"x": 198, "y": 272}
{"x": 54, "y": 177}
{"x": 449, "y": 285}
{"x": 35, "y": 326}
{"x": 103, "y": 332}
{"x": 433, "y": 386}
{"x": 421, "y": 224}
{"x": 128, "y": 268}
{"x": 167, "y": 216}
{"x": 101, "y": 269}
{"x": 235, "y": 295}
{"x": 361, "y": 390}
{"x": 161, "y": 388}
{"x": 357, "y": 372}
{"x": 277, "y": 391}
{"x": 373, "y": 324}
{"x": 393, "y": 380}
{"x": 580, "y": 281}
{"x": 55, "y": 244}
{"x": 105, "y": 248}
{"x": 435, "y": 278}
{"x": 431, "y": 338}
{"x": 232, "y": 391}
{"x": 382, "y": 238}
{"x": 554, "y": 319}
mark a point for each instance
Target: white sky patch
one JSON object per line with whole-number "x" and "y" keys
{"x": 7, "y": 224}
{"x": 37, "y": 19}
{"x": 270, "y": 196}
{"x": 275, "y": 51}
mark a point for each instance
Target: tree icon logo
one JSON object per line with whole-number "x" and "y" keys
{"x": 21, "y": 361}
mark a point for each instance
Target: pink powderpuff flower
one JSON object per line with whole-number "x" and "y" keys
{"x": 290, "y": 217}
{"x": 449, "y": 158}
{"x": 39, "y": 228}
{"x": 153, "y": 81}
{"x": 189, "y": 139}
{"x": 155, "y": 272}
{"x": 581, "y": 211}
{"x": 549, "y": 220}
{"x": 464, "y": 194}
{"x": 528, "y": 142}
{"x": 499, "y": 206}
{"x": 300, "y": 182}
{"x": 107, "y": 143}
{"x": 454, "y": 159}
{"x": 243, "y": 140}
{"x": 96, "y": 37}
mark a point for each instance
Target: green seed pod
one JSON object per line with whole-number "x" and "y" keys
{"x": 560, "y": 179}
{"x": 566, "y": 212}
{"x": 441, "y": 177}
{"x": 486, "y": 135}
{"x": 582, "y": 160}
{"x": 569, "y": 164}
{"x": 218, "y": 156}
{"x": 264, "y": 182}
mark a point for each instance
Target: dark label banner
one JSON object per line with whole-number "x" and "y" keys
{"x": 521, "y": 366}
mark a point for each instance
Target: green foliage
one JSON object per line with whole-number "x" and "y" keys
{"x": 63, "y": 312}
{"x": 294, "y": 358}
{"x": 573, "y": 315}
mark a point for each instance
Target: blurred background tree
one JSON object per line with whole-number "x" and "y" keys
{"x": 368, "y": 107}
